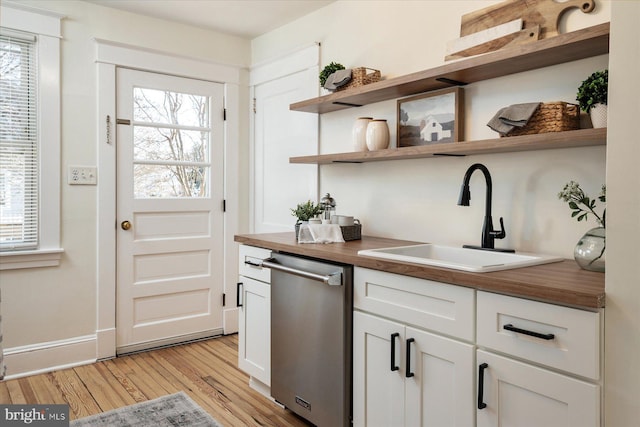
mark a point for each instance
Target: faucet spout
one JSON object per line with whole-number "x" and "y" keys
{"x": 488, "y": 233}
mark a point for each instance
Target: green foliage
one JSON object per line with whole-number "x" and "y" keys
{"x": 328, "y": 70}
{"x": 593, "y": 90}
{"x": 580, "y": 204}
{"x": 306, "y": 211}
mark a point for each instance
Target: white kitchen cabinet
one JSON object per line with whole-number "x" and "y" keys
{"x": 403, "y": 374}
{"x": 520, "y": 394}
{"x": 254, "y": 305}
{"x": 543, "y": 349}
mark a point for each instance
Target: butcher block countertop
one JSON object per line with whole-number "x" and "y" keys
{"x": 563, "y": 283}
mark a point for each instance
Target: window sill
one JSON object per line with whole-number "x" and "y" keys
{"x": 30, "y": 259}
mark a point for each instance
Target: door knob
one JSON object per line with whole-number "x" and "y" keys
{"x": 126, "y": 225}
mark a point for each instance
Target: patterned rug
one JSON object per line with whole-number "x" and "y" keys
{"x": 167, "y": 411}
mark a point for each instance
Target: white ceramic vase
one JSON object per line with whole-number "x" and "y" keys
{"x": 598, "y": 114}
{"x": 377, "y": 135}
{"x": 359, "y": 133}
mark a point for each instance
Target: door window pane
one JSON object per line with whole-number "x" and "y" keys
{"x": 171, "y": 144}
{"x": 167, "y": 181}
{"x": 152, "y": 143}
{"x": 174, "y": 108}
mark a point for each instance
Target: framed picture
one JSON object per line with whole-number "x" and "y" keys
{"x": 432, "y": 118}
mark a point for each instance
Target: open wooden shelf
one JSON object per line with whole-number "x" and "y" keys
{"x": 563, "y": 48}
{"x": 544, "y": 141}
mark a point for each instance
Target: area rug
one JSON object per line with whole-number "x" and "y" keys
{"x": 167, "y": 411}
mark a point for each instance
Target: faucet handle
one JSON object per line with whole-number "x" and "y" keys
{"x": 499, "y": 234}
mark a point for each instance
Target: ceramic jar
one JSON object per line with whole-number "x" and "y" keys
{"x": 359, "y": 133}
{"x": 377, "y": 135}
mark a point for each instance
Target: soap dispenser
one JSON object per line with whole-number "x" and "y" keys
{"x": 328, "y": 205}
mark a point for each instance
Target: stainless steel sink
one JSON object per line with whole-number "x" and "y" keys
{"x": 459, "y": 258}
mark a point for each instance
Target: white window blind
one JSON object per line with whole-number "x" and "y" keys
{"x": 18, "y": 142}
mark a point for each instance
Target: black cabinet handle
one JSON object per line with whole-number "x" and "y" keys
{"x": 481, "y": 368}
{"x": 409, "y": 374}
{"x": 238, "y": 304}
{"x": 394, "y": 367}
{"x": 510, "y": 327}
{"x": 253, "y": 264}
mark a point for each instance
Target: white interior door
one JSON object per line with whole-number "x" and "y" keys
{"x": 169, "y": 209}
{"x": 280, "y": 133}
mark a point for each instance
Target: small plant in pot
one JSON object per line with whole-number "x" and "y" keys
{"x": 328, "y": 70}
{"x": 304, "y": 212}
{"x": 592, "y": 97}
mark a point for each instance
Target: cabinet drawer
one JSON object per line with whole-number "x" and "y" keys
{"x": 439, "y": 307}
{"x": 563, "y": 338}
{"x": 253, "y": 255}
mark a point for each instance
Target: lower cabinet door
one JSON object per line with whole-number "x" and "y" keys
{"x": 378, "y": 387}
{"x": 439, "y": 388}
{"x": 254, "y": 334}
{"x": 519, "y": 394}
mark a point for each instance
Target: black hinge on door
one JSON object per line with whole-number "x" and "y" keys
{"x": 224, "y": 299}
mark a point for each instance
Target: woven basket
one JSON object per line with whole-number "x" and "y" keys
{"x": 360, "y": 77}
{"x": 351, "y": 232}
{"x": 551, "y": 117}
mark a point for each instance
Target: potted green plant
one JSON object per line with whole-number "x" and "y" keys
{"x": 304, "y": 212}
{"x": 592, "y": 97}
{"x": 328, "y": 70}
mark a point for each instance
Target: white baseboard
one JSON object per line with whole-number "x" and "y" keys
{"x": 106, "y": 344}
{"x": 261, "y": 388}
{"x": 230, "y": 320}
{"x": 49, "y": 356}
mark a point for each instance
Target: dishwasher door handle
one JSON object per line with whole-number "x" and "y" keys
{"x": 334, "y": 279}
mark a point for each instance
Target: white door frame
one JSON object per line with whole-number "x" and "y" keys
{"x": 110, "y": 55}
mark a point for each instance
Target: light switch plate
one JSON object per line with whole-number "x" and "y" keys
{"x": 82, "y": 175}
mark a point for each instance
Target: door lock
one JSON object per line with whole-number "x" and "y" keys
{"x": 126, "y": 225}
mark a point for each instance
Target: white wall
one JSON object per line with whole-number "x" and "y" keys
{"x": 46, "y": 305}
{"x": 416, "y": 199}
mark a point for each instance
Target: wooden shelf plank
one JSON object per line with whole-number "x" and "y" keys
{"x": 563, "y": 48}
{"x": 544, "y": 141}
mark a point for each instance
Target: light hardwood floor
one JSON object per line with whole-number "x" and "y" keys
{"x": 207, "y": 371}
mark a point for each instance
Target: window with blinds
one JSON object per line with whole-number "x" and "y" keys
{"x": 18, "y": 142}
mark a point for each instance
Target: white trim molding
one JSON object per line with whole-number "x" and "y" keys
{"x": 49, "y": 356}
{"x": 47, "y": 26}
{"x": 109, "y": 56}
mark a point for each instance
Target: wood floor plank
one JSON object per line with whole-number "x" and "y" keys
{"x": 5, "y": 397}
{"x": 206, "y": 370}
{"x": 126, "y": 380}
{"x": 81, "y": 402}
{"x": 15, "y": 392}
{"x": 203, "y": 390}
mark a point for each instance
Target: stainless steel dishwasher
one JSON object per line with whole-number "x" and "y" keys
{"x": 311, "y": 331}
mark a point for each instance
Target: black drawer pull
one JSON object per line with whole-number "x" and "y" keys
{"x": 481, "y": 368}
{"x": 238, "y": 293}
{"x": 409, "y": 374}
{"x": 394, "y": 367}
{"x": 253, "y": 264}
{"x": 510, "y": 327}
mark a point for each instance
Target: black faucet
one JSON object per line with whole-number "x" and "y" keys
{"x": 488, "y": 233}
